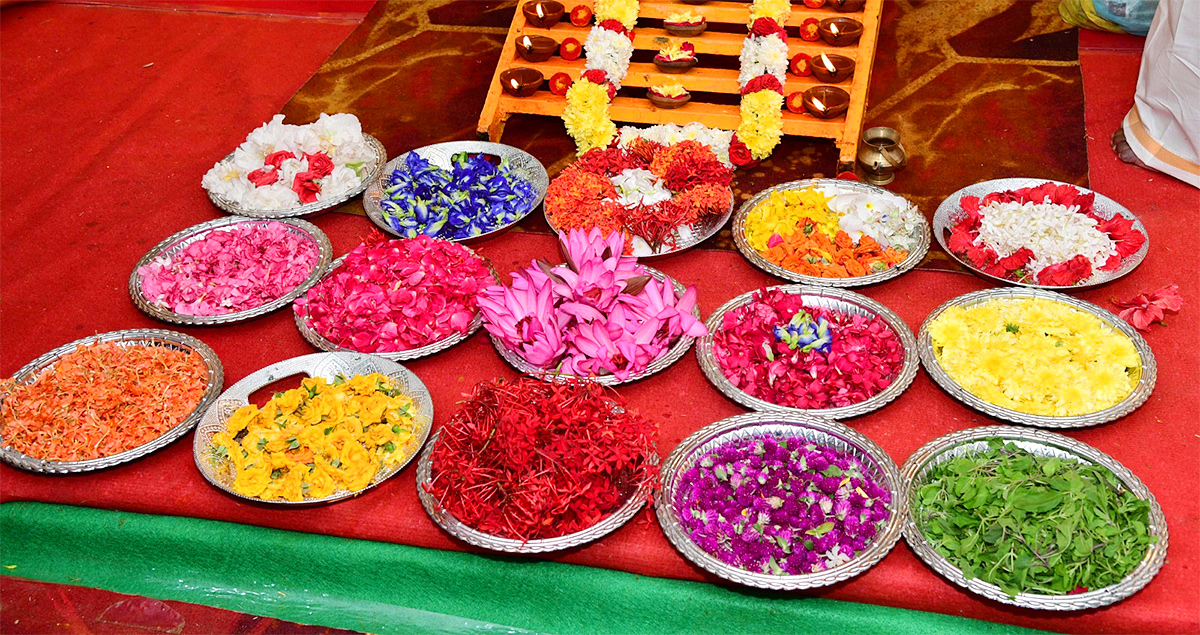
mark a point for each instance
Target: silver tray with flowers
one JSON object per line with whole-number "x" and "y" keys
{"x": 861, "y": 210}
{"x": 287, "y": 171}
{"x": 813, "y": 501}
{"x": 163, "y": 254}
{"x": 881, "y": 353}
{"x": 465, "y": 191}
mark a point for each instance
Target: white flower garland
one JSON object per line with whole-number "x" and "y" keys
{"x": 667, "y": 134}
{"x": 763, "y": 56}
{"x": 586, "y": 115}
{"x": 610, "y": 52}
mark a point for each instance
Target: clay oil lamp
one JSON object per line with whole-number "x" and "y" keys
{"x": 840, "y": 31}
{"x": 831, "y": 68}
{"x": 542, "y": 13}
{"x": 536, "y": 48}
{"x": 676, "y": 58}
{"x": 521, "y": 82}
{"x": 668, "y": 96}
{"x": 686, "y": 24}
{"x": 826, "y": 102}
{"x": 847, "y": 6}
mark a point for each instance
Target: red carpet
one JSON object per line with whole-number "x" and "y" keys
{"x": 130, "y": 142}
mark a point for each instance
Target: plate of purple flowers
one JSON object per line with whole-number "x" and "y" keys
{"x": 781, "y": 501}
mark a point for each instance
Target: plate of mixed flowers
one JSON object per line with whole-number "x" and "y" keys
{"x": 1040, "y": 233}
{"x": 831, "y": 232}
{"x": 465, "y": 191}
{"x": 781, "y": 501}
{"x": 284, "y": 170}
{"x": 663, "y": 197}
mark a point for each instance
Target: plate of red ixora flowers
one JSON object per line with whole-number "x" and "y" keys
{"x": 1040, "y": 233}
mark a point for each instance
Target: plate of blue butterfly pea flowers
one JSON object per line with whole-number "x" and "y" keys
{"x": 463, "y": 191}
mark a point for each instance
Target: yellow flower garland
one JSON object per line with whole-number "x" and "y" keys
{"x": 586, "y": 116}
{"x": 1036, "y": 356}
{"x": 761, "y": 126}
{"x": 623, "y": 11}
{"x": 779, "y": 10}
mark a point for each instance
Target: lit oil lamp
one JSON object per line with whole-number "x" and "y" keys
{"x": 840, "y": 31}
{"x": 521, "y": 82}
{"x": 826, "y": 102}
{"x": 831, "y": 68}
{"x": 542, "y": 13}
{"x": 536, "y": 48}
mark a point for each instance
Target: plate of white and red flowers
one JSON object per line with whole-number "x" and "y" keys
{"x": 284, "y": 170}
{"x": 1041, "y": 234}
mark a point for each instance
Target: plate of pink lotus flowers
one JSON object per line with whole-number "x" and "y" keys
{"x": 600, "y": 315}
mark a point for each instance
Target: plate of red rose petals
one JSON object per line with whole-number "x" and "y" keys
{"x": 398, "y": 299}
{"x": 810, "y": 350}
{"x": 1040, "y": 233}
{"x": 228, "y": 270}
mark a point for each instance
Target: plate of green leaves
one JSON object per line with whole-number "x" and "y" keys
{"x": 1032, "y": 518}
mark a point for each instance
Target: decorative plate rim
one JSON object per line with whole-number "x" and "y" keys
{"x": 195, "y": 232}
{"x": 472, "y": 536}
{"x": 950, "y": 207}
{"x": 372, "y": 192}
{"x": 308, "y": 209}
{"x": 1131, "y": 402}
{"x": 311, "y": 365}
{"x": 664, "y": 361}
{"x": 215, "y": 378}
{"x": 679, "y": 460}
{"x": 915, "y": 256}
{"x": 917, "y": 464}
{"x": 322, "y": 343}
{"x": 706, "y": 355}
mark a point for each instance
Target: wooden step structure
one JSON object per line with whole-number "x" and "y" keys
{"x": 843, "y": 130}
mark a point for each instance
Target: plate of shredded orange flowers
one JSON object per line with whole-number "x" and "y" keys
{"x": 353, "y": 422}
{"x": 105, "y": 400}
{"x": 831, "y": 232}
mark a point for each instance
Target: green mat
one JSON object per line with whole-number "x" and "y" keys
{"x": 386, "y": 588}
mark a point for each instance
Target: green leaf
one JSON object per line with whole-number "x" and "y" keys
{"x": 820, "y": 530}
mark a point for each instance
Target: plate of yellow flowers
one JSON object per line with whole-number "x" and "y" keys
{"x": 353, "y": 421}
{"x": 1037, "y": 358}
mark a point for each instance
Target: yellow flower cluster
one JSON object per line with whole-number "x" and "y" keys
{"x": 684, "y": 17}
{"x": 761, "y": 126}
{"x": 313, "y": 440}
{"x": 779, "y": 10}
{"x": 586, "y": 116}
{"x": 783, "y": 213}
{"x": 669, "y": 89}
{"x": 623, "y": 11}
{"x": 1036, "y": 356}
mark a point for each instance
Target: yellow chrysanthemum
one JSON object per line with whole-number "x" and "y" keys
{"x": 761, "y": 126}
{"x": 777, "y": 10}
{"x": 623, "y": 11}
{"x": 586, "y": 116}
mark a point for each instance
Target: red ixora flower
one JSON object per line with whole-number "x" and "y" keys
{"x": 763, "y": 82}
{"x": 1144, "y": 309}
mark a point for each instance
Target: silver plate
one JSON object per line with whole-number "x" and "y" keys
{"x": 319, "y": 341}
{"x": 471, "y": 536}
{"x": 671, "y": 356}
{"x": 877, "y": 464}
{"x": 838, "y": 300}
{"x": 180, "y": 240}
{"x": 1141, "y": 392}
{"x": 949, "y": 213}
{"x": 1040, "y": 442}
{"x": 704, "y": 229}
{"x": 132, "y": 337}
{"x": 327, "y": 365}
{"x": 521, "y": 164}
{"x": 370, "y": 174}
{"x": 739, "y": 237}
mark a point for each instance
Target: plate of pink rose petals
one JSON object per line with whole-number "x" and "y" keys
{"x": 811, "y": 350}
{"x": 398, "y": 299}
{"x": 228, "y": 270}
{"x": 600, "y": 316}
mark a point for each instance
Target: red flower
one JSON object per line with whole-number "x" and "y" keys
{"x": 848, "y": 175}
{"x": 1144, "y": 309}
{"x": 740, "y": 155}
{"x": 1077, "y": 590}
{"x": 276, "y": 159}
{"x": 765, "y": 26}
{"x": 1066, "y": 274}
{"x": 305, "y": 186}
{"x": 596, "y": 76}
{"x": 971, "y": 205}
{"x": 1017, "y": 259}
{"x": 763, "y": 82}
{"x": 1121, "y": 231}
{"x": 263, "y": 176}
{"x": 961, "y": 239}
{"x": 982, "y": 256}
{"x": 613, "y": 25}
{"x": 320, "y": 163}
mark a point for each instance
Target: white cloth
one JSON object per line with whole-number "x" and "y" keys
{"x": 1163, "y": 128}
